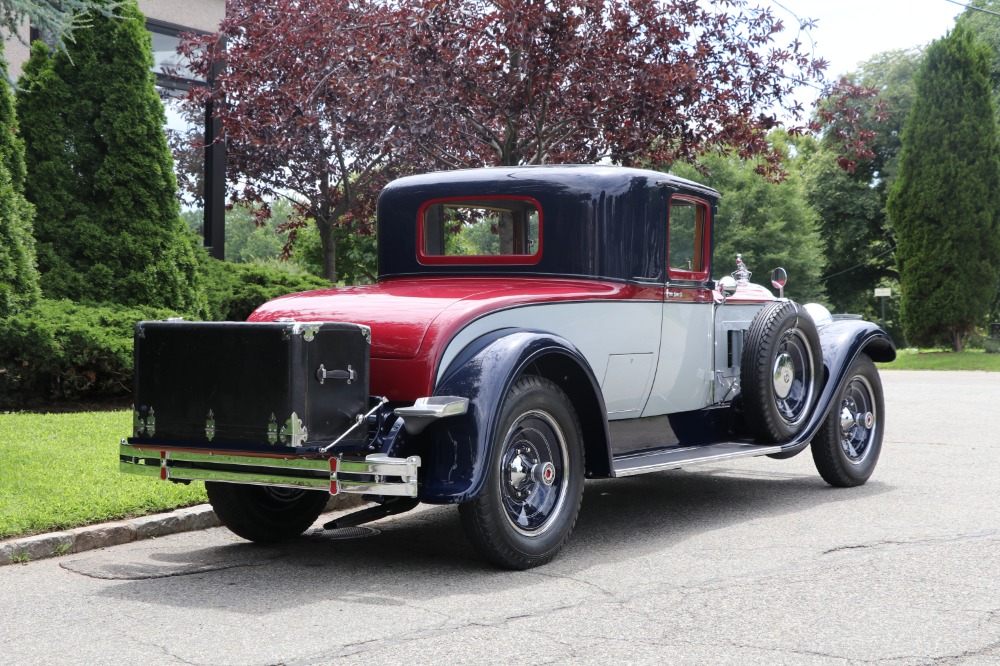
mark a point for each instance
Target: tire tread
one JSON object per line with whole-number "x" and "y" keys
{"x": 825, "y": 447}
{"x": 482, "y": 523}
{"x": 239, "y": 507}
{"x": 755, "y": 369}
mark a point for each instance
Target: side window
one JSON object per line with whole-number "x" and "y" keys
{"x": 687, "y": 251}
{"x": 480, "y": 231}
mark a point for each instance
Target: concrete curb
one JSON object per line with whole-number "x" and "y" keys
{"x": 103, "y": 535}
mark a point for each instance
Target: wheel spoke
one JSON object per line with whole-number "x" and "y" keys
{"x": 793, "y": 376}
{"x": 858, "y": 420}
{"x": 532, "y": 467}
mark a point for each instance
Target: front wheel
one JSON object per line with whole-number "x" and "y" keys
{"x": 263, "y": 513}
{"x": 847, "y": 446}
{"x": 534, "y": 485}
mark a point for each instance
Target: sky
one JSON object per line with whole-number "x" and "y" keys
{"x": 850, "y": 31}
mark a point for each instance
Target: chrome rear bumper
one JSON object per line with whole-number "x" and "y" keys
{"x": 375, "y": 474}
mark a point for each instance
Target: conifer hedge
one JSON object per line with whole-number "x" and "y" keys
{"x": 100, "y": 173}
{"x": 945, "y": 203}
{"x": 18, "y": 277}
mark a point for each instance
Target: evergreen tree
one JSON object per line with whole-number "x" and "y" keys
{"x": 100, "y": 173}
{"x": 18, "y": 277}
{"x": 57, "y": 19}
{"x": 944, "y": 204}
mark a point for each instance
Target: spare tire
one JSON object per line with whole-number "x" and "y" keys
{"x": 780, "y": 370}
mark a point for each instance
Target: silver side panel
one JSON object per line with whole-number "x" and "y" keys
{"x": 619, "y": 339}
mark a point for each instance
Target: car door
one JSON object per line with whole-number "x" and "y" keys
{"x": 684, "y": 372}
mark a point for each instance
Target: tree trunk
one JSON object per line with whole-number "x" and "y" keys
{"x": 956, "y": 341}
{"x": 328, "y": 242}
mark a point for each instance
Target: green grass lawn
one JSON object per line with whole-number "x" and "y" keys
{"x": 914, "y": 359}
{"x": 61, "y": 470}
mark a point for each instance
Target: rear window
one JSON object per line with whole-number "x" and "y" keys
{"x": 474, "y": 230}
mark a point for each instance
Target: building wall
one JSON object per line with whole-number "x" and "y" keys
{"x": 202, "y": 15}
{"x": 16, "y": 53}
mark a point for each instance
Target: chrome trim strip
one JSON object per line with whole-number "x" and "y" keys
{"x": 406, "y": 489}
{"x": 137, "y": 469}
{"x": 674, "y": 462}
{"x": 195, "y": 474}
{"x": 332, "y": 473}
{"x": 322, "y": 464}
{"x": 381, "y": 464}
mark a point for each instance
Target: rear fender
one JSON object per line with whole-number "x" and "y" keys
{"x": 455, "y": 451}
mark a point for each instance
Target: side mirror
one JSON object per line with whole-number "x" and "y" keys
{"x": 779, "y": 278}
{"x": 726, "y": 286}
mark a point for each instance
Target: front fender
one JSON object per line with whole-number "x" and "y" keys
{"x": 455, "y": 451}
{"x": 842, "y": 341}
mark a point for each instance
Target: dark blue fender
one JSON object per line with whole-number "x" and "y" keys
{"x": 455, "y": 451}
{"x": 842, "y": 341}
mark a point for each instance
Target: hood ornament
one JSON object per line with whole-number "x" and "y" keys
{"x": 742, "y": 274}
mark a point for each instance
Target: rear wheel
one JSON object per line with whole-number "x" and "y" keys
{"x": 263, "y": 513}
{"x": 534, "y": 487}
{"x": 847, "y": 447}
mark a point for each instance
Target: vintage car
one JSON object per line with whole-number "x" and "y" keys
{"x": 531, "y": 327}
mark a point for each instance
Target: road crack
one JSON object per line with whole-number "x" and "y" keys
{"x": 927, "y": 541}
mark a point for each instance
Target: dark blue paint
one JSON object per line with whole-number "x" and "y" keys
{"x": 598, "y": 221}
{"x": 454, "y": 451}
{"x": 842, "y": 341}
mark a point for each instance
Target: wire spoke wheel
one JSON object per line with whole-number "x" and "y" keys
{"x": 533, "y": 468}
{"x": 531, "y": 497}
{"x": 858, "y": 420}
{"x": 792, "y": 376}
{"x": 848, "y": 444}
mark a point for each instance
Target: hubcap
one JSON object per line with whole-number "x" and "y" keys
{"x": 533, "y": 472}
{"x": 784, "y": 372}
{"x": 793, "y": 376}
{"x": 858, "y": 420}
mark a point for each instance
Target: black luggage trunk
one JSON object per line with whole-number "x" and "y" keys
{"x": 260, "y": 384}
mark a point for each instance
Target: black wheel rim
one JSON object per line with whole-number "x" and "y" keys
{"x": 793, "y": 376}
{"x": 533, "y": 473}
{"x": 858, "y": 420}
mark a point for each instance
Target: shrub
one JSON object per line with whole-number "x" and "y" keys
{"x": 18, "y": 277}
{"x": 255, "y": 284}
{"x": 235, "y": 290}
{"x": 59, "y": 350}
{"x": 100, "y": 173}
{"x": 64, "y": 351}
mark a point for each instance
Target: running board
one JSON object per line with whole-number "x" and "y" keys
{"x": 681, "y": 456}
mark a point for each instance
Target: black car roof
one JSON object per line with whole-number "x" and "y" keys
{"x": 586, "y": 178}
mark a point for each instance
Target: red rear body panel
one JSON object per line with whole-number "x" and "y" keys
{"x": 412, "y": 320}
